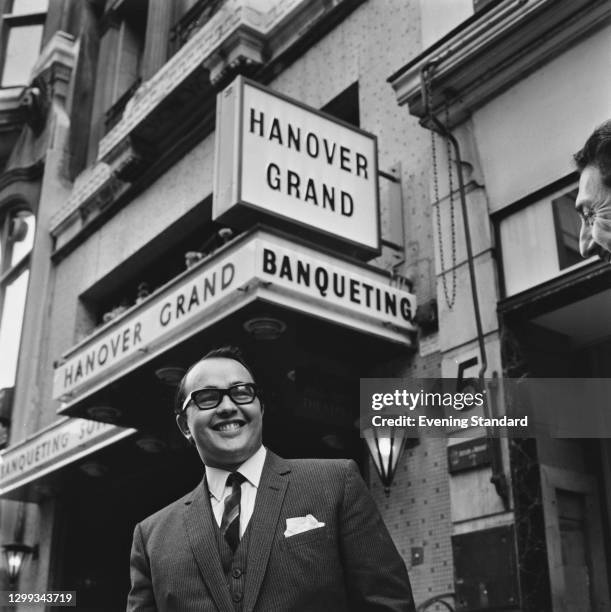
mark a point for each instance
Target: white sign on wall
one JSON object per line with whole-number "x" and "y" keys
{"x": 280, "y": 158}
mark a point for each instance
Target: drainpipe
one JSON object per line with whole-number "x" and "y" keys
{"x": 498, "y": 478}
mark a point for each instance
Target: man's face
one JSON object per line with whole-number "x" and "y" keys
{"x": 229, "y": 434}
{"x": 594, "y": 206}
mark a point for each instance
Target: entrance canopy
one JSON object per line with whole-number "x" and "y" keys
{"x": 31, "y": 469}
{"x": 575, "y": 305}
{"x": 561, "y": 329}
{"x": 331, "y": 304}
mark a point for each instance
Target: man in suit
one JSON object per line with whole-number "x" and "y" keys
{"x": 261, "y": 533}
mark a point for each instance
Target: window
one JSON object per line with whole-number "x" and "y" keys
{"x": 125, "y": 39}
{"x": 345, "y": 106}
{"x": 540, "y": 239}
{"x": 22, "y": 30}
{"x": 16, "y": 240}
{"x": 193, "y": 15}
{"x": 130, "y": 45}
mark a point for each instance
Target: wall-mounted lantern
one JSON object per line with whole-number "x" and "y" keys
{"x": 386, "y": 446}
{"x": 15, "y": 554}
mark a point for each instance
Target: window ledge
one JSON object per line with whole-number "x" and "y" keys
{"x": 495, "y": 51}
{"x": 569, "y": 285}
{"x": 12, "y": 115}
{"x": 60, "y": 51}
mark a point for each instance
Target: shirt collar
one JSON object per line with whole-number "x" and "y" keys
{"x": 251, "y": 470}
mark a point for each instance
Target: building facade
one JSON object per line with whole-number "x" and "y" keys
{"x": 118, "y": 270}
{"x": 521, "y": 86}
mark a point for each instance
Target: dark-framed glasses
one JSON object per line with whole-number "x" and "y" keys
{"x": 207, "y": 399}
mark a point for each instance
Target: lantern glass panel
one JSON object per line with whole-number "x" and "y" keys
{"x": 14, "y": 561}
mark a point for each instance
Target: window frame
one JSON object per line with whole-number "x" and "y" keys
{"x": 118, "y": 15}
{"x": 10, "y": 272}
{"x": 10, "y": 21}
{"x": 547, "y": 193}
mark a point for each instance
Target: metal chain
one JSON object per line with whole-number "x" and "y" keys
{"x": 452, "y": 218}
{"x": 449, "y": 300}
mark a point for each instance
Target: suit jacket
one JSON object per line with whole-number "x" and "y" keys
{"x": 349, "y": 564}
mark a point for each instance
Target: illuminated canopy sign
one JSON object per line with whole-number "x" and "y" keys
{"x": 281, "y": 158}
{"x": 317, "y": 278}
{"x": 135, "y": 336}
{"x": 261, "y": 265}
{"x": 56, "y": 446}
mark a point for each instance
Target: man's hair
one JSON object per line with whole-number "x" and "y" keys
{"x": 597, "y": 152}
{"x": 224, "y": 352}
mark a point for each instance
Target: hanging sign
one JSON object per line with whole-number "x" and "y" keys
{"x": 279, "y": 159}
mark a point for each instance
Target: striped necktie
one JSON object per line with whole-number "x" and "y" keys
{"x": 230, "y": 523}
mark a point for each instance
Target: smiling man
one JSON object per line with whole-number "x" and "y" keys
{"x": 594, "y": 197}
{"x": 261, "y": 533}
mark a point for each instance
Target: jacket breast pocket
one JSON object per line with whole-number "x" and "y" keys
{"x": 307, "y": 537}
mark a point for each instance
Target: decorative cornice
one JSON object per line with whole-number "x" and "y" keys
{"x": 88, "y": 185}
{"x": 237, "y": 32}
{"x": 89, "y": 215}
{"x": 495, "y": 51}
{"x": 12, "y": 113}
{"x": 129, "y": 159}
{"x": 188, "y": 59}
{"x": 192, "y": 21}
{"x": 28, "y": 174}
{"x": 237, "y": 39}
{"x": 61, "y": 50}
{"x": 49, "y": 79}
{"x": 9, "y": 99}
{"x": 35, "y": 103}
{"x": 102, "y": 198}
{"x": 242, "y": 52}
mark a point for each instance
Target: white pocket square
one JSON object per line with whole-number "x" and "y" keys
{"x": 299, "y": 524}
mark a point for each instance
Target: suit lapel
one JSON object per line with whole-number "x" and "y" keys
{"x": 268, "y": 504}
{"x": 200, "y": 525}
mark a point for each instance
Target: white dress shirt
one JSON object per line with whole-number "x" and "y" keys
{"x": 217, "y": 480}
